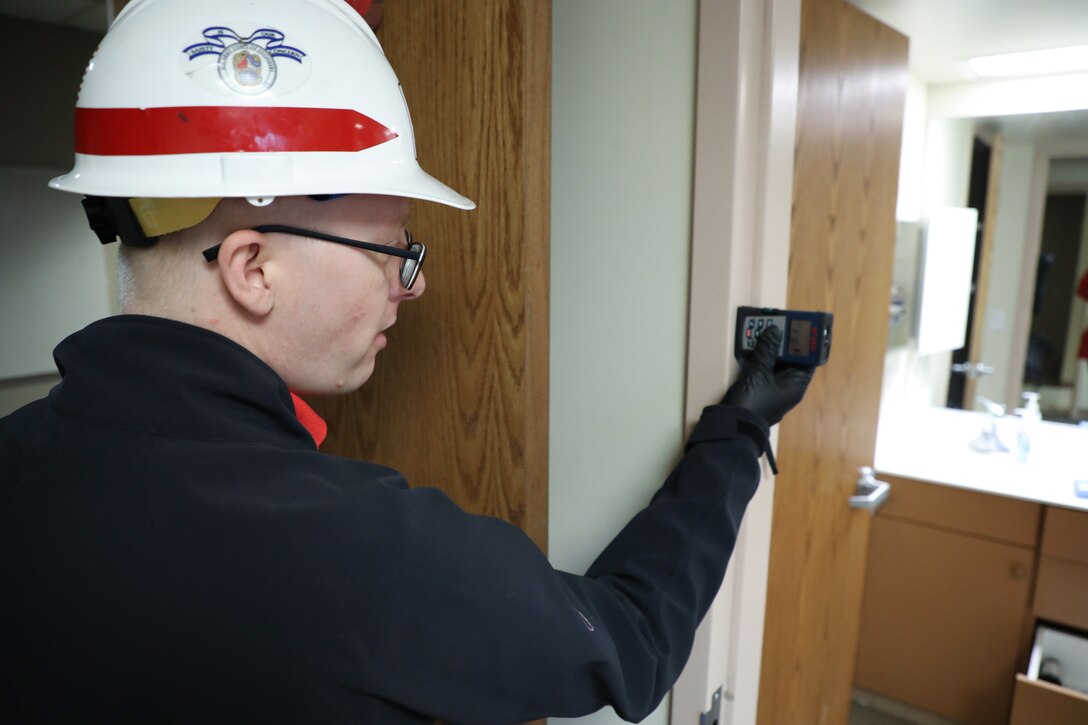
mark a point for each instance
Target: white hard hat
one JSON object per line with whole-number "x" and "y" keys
{"x": 206, "y": 99}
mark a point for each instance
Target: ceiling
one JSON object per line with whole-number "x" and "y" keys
{"x": 83, "y": 14}
{"x": 944, "y": 33}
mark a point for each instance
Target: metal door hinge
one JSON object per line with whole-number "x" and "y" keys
{"x": 714, "y": 714}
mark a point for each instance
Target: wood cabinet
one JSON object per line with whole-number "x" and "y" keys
{"x": 1062, "y": 590}
{"x": 1040, "y": 702}
{"x": 1061, "y": 599}
{"x": 947, "y": 600}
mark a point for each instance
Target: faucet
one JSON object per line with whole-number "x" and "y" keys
{"x": 988, "y": 441}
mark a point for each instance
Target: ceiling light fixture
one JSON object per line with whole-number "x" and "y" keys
{"x": 1032, "y": 62}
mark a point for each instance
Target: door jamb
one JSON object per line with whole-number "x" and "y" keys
{"x": 746, "y": 111}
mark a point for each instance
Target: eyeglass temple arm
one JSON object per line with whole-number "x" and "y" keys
{"x": 212, "y": 253}
{"x": 382, "y": 248}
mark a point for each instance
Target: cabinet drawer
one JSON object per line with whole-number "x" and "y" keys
{"x": 1035, "y": 701}
{"x": 1061, "y": 592}
{"x": 1066, "y": 534}
{"x": 969, "y": 512}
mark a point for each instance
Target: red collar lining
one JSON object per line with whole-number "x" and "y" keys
{"x": 310, "y": 420}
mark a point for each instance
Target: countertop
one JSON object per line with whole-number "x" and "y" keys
{"x": 934, "y": 445}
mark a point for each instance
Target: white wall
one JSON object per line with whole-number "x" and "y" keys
{"x": 623, "y": 95}
{"x": 1010, "y": 237}
{"x": 27, "y": 328}
{"x": 33, "y": 146}
{"x": 912, "y": 158}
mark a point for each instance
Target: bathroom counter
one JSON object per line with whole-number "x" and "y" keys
{"x": 934, "y": 445}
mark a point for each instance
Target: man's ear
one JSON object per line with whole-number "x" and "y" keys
{"x": 244, "y": 268}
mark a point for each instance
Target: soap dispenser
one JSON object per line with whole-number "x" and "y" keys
{"x": 1030, "y": 415}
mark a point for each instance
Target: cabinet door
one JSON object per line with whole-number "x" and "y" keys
{"x": 1061, "y": 592}
{"x": 942, "y": 619}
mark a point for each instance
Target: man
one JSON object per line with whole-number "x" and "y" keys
{"x": 175, "y": 548}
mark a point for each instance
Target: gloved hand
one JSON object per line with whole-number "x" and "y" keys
{"x": 765, "y": 391}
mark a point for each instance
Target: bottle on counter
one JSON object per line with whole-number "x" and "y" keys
{"x": 1030, "y": 416}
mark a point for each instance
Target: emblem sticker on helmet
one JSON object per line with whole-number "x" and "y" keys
{"x": 246, "y": 65}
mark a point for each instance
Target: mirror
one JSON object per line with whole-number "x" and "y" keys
{"x": 1023, "y": 320}
{"x": 1026, "y": 174}
{"x": 1056, "y": 364}
{"x": 1026, "y": 321}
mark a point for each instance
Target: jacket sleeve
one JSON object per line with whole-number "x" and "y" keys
{"x": 499, "y": 636}
{"x": 372, "y": 589}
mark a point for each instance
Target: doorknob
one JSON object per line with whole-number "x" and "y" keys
{"x": 871, "y": 493}
{"x": 973, "y": 371}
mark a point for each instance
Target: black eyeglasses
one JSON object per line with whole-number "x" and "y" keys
{"x": 411, "y": 258}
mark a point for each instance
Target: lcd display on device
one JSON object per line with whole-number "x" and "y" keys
{"x": 799, "y": 331}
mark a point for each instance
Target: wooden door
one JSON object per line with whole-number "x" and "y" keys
{"x": 850, "y": 111}
{"x": 459, "y": 398}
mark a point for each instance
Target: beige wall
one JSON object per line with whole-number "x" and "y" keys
{"x": 44, "y": 84}
{"x": 623, "y": 97}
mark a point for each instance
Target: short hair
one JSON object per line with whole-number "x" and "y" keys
{"x": 162, "y": 275}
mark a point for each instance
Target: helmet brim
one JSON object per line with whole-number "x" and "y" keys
{"x": 136, "y": 177}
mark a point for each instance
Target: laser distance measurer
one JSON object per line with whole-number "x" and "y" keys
{"x": 806, "y": 336}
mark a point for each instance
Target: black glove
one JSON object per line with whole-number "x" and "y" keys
{"x": 763, "y": 390}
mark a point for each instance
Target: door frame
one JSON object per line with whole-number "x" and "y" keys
{"x": 985, "y": 262}
{"x": 746, "y": 110}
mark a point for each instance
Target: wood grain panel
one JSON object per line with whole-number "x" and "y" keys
{"x": 849, "y": 128}
{"x": 942, "y": 618}
{"x": 459, "y": 398}
{"x": 970, "y": 512}
{"x": 1061, "y": 592}
{"x": 1065, "y": 534}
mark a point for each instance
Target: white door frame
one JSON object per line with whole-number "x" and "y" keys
{"x": 746, "y": 111}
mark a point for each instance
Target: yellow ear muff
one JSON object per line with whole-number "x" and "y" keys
{"x": 163, "y": 216}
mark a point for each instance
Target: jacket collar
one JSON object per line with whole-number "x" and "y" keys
{"x": 169, "y": 378}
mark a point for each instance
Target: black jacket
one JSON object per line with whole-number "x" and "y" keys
{"x": 173, "y": 548}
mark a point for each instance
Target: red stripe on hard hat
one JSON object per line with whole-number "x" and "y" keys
{"x": 361, "y": 6}
{"x": 223, "y": 129}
